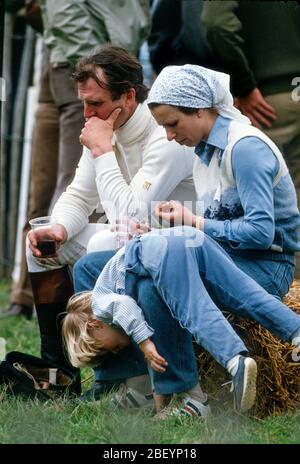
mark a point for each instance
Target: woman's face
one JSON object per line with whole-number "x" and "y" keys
{"x": 186, "y": 129}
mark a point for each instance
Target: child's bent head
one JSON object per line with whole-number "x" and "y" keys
{"x": 87, "y": 340}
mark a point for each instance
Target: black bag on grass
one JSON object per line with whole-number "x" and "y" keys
{"x": 32, "y": 377}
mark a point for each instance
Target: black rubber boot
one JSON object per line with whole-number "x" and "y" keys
{"x": 51, "y": 291}
{"x": 100, "y": 388}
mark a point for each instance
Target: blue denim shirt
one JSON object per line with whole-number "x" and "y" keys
{"x": 253, "y": 214}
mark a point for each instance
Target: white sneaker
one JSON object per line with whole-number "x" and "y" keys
{"x": 244, "y": 384}
{"x": 127, "y": 397}
{"x": 189, "y": 407}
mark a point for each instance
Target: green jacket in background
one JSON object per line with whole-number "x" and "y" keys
{"x": 256, "y": 42}
{"x": 72, "y": 28}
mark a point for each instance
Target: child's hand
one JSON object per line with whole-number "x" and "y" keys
{"x": 130, "y": 226}
{"x": 156, "y": 361}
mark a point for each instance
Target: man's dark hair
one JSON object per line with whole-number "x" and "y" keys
{"x": 122, "y": 70}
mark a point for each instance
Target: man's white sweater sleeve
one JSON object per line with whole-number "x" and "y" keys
{"x": 80, "y": 199}
{"x": 165, "y": 165}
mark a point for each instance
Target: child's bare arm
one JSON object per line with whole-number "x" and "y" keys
{"x": 157, "y": 362}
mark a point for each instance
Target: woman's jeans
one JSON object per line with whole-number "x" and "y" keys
{"x": 182, "y": 373}
{"x": 197, "y": 278}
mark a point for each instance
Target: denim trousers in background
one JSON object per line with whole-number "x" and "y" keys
{"x": 196, "y": 282}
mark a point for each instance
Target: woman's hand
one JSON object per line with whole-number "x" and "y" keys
{"x": 157, "y": 362}
{"x": 175, "y": 213}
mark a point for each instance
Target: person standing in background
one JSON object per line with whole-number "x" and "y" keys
{"x": 181, "y": 40}
{"x": 71, "y": 29}
{"x": 258, "y": 44}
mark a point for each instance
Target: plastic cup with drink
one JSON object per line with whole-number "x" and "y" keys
{"x": 125, "y": 228}
{"x": 42, "y": 227}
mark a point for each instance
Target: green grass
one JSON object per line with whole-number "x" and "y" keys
{"x": 75, "y": 422}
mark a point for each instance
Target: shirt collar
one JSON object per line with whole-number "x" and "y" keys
{"x": 217, "y": 139}
{"x": 134, "y": 129}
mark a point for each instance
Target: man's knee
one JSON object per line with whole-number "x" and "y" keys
{"x": 83, "y": 277}
{"x": 88, "y": 268}
{"x": 104, "y": 240}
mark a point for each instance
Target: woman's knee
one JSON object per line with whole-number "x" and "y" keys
{"x": 88, "y": 268}
{"x": 102, "y": 241}
{"x": 93, "y": 262}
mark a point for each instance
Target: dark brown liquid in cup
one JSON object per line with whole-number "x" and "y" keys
{"x": 47, "y": 247}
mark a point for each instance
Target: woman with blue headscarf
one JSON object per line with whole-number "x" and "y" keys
{"x": 246, "y": 207}
{"x": 246, "y": 198}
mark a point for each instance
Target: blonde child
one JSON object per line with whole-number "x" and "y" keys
{"x": 88, "y": 340}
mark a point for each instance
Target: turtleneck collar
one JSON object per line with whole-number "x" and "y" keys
{"x": 135, "y": 127}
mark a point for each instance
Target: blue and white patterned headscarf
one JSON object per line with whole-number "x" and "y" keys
{"x": 193, "y": 86}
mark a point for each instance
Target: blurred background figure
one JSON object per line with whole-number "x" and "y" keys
{"x": 70, "y": 30}
{"x": 258, "y": 44}
{"x": 177, "y": 35}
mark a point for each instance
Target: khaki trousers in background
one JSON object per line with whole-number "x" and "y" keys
{"x": 285, "y": 132}
{"x": 55, "y": 154}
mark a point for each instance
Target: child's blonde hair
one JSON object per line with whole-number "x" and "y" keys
{"x": 83, "y": 349}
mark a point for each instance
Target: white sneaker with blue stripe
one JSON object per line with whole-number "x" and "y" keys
{"x": 127, "y": 397}
{"x": 244, "y": 384}
{"x": 185, "y": 407}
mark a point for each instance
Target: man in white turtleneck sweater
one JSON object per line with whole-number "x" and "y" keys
{"x": 126, "y": 166}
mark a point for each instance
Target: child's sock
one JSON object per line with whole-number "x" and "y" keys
{"x": 296, "y": 338}
{"x": 296, "y": 343}
{"x": 233, "y": 364}
{"x": 197, "y": 394}
{"x": 161, "y": 401}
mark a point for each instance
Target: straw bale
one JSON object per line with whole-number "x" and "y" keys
{"x": 278, "y": 383}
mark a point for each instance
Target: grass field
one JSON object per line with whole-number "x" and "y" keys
{"x": 75, "y": 422}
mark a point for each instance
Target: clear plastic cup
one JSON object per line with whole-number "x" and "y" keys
{"x": 44, "y": 235}
{"x": 125, "y": 229}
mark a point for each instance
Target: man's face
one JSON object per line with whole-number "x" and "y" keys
{"x": 112, "y": 339}
{"x": 186, "y": 129}
{"x": 98, "y": 101}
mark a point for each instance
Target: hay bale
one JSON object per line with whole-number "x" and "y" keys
{"x": 278, "y": 383}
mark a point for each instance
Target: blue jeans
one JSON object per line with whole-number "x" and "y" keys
{"x": 196, "y": 282}
{"x": 182, "y": 373}
{"x": 130, "y": 361}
